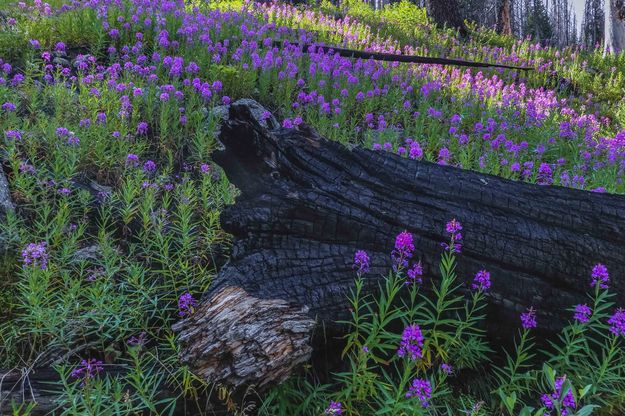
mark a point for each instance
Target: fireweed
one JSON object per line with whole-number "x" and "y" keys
{"x": 130, "y": 118}
{"x": 413, "y": 371}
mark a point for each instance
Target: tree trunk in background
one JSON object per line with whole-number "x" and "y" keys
{"x": 307, "y": 204}
{"x": 614, "y": 14}
{"x": 504, "y": 17}
{"x": 447, "y": 13}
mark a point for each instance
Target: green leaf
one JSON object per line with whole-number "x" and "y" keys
{"x": 586, "y": 410}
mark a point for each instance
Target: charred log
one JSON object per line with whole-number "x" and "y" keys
{"x": 391, "y": 57}
{"x": 269, "y": 340}
{"x": 307, "y": 204}
{"x": 41, "y": 391}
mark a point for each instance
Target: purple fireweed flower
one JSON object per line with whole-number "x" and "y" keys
{"x": 545, "y": 174}
{"x": 142, "y": 128}
{"x": 414, "y": 274}
{"x": 59, "y": 47}
{"x": 447, "y": 369}
{"x": 550, "y": 400}
{"x": 100, "y": 118}
{"x": 35, "y": 254}
{"x": 186, "y": 304}
{"x": 411, "y": 343}
{"x": 87, "y": 370}
{"x": 422, "y": 390}
{"x": 132, "y": 160}
{"x": 361, "y": 262}
{"x": 8, "y": 106}
{"x": 225, "y": 100}
{"x": 26, "y": 168}
{"x": 148, "y": 185}
{"x": 205, "y": 168}
{"x": 528, "y": 318}
{"x": 403, "y": 249}
{"x": 600, "y": 276}
{"x": 149, "y": 166}
{"x": 617, "y": 322}
{"x": 64, "y": 191}
{"x": 35, "y": 43}
{"x": 73, "y": 140}
{"x": 17, "y": 80}
{"x": 453, "y": 228}
{"x": 138, "y": 340}
{"x": 582, "y": 313}
{"x": 335, "y": 408}
{"x": 62, "y": 131}
{"x": 14, "y": 135}
{"x": 481, "y": 281}
{"x": 415, "y": 152}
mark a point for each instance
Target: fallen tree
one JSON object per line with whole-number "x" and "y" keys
{"x": 307, "y": 204}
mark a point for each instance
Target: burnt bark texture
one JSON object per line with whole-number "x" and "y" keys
{"x": 307, "y": 204}
{"x": 270, "y": 339}
{"x": 447, "y": 13}
{"x": 391, "y": 57}
{"x": 41, "y": 388}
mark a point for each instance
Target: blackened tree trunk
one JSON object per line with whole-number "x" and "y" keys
{"x": 504, "y": 17}
{"x": 447, "y": 13}
{"x": 42, "y": 387}
{"x": 307, "y": 204}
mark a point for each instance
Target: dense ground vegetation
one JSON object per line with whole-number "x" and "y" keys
{"x": 107, "y": 132}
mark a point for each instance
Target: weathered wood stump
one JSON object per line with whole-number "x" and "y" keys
{"x": 307, "y": 204}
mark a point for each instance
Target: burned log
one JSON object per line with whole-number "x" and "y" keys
{"x": 39, "y": 391}
{"x": 307, "y": 204}
{"x": 391, "y": 57}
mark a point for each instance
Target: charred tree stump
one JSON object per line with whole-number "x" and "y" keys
{"x": 307, "y": 204}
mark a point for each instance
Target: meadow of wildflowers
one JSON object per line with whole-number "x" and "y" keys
{"x": 107, "y": 131}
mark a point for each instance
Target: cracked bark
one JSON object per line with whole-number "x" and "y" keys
{"x": 307, "y": 204}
